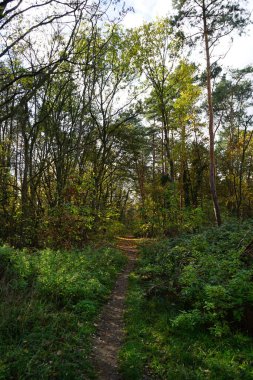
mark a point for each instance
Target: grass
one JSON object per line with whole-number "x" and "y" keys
{"x": 187, "y": 350}
{"x": 48, "y": 305}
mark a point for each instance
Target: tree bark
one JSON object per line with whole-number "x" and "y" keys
{"x": 211, "y": 124}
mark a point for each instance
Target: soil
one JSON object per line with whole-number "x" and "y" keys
{"x": 110, "y": 326}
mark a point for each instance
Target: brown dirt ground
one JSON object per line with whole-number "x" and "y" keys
{"x": 110, "y": 326}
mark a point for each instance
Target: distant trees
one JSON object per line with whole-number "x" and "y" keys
{"x": 171, "y": 109}
{"x": 234, "y": 120}
{"x": 158, "y": 49}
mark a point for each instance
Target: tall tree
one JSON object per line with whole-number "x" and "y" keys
{"x": 158, "y": 49}
{"x": 212, "y": 20}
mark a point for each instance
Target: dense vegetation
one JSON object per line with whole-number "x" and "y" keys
{"x": 190, "y": 308}
{"x": 48, "y": 304}
{"x": 108, "y": 130}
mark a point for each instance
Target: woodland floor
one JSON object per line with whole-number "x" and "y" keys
{"x": 110, "y": 326}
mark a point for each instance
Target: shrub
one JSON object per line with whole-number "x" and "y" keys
{"x": 206, "y": 273}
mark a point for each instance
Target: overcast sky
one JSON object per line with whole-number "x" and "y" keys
{"x": 240, "y": 54}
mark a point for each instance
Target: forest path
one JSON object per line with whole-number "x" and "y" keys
{"x": 110, "y": 327}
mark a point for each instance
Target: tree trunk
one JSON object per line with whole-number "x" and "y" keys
{"x": 168, "y": 152}
{"x": 211, "y": 123}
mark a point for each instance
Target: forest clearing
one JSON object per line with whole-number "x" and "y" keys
{"x": 126, "y": 190}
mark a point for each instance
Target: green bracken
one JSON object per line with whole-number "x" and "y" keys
{"x": 187, "y": 305}
{"x": 48, "y": 304}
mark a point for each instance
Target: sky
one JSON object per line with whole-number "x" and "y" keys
{"x": 240, "y": 53}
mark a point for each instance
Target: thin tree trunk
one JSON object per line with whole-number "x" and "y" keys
{"x": 211, "y": 124}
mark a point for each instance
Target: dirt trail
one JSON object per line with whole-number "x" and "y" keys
{"x": 110, "y": 329}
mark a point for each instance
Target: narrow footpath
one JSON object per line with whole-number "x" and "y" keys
{"x": 110, "y": 328}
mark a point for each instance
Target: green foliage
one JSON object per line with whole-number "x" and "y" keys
{"x": 66, "y": 226}
{"x": 206, "y": 272}
{"x": 187, "y": 308}
{"x": 49, "y": 301}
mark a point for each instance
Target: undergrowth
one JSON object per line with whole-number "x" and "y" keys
{"x": 48, "y": 303}
{"x": 187, "y": 308}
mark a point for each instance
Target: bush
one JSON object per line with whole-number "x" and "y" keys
{"x": 206, "y": 273}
